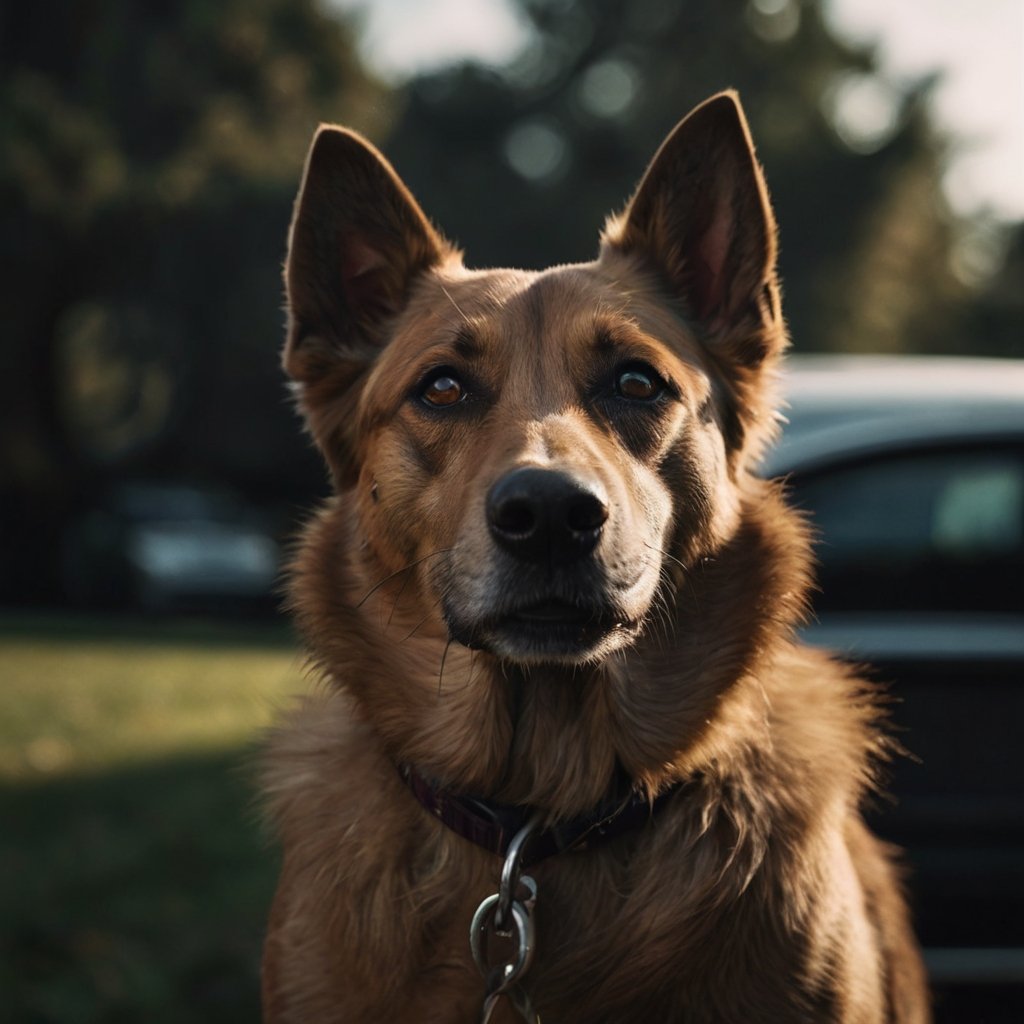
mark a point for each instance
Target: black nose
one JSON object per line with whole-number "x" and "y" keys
{"x": 543, "y": 515}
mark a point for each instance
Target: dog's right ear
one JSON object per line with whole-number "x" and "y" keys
{"x": 358, "y": 240}
{"x": 701, "y": 215}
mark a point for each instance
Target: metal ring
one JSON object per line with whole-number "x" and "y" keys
{"x": 510, "y": 972}
{"x": 511, "y": 868}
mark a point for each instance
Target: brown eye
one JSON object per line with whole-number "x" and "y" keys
{"x": 442, "y": 390}
{"x": 638, "y": 384}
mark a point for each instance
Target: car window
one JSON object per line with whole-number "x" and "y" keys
{"x": 932, "y": 530}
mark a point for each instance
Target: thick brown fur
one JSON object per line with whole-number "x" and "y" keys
{"x": 755, "y": 893}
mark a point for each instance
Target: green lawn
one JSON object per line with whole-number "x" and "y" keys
{"x": 134, "y": 874}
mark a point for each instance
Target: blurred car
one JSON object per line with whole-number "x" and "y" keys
{"x": 170, "y": 547}
{"x": 912, "y": 469}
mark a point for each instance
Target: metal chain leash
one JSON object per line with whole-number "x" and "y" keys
{"x": 505, "y": 921}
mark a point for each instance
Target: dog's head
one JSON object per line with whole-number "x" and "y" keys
{"x": 547, "y": 452}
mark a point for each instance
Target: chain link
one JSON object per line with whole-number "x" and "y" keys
{"x": 507, "y": 917}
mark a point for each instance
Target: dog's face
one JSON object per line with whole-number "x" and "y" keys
{"x": 547, "y": 455}
{"x": 536, "y": 445}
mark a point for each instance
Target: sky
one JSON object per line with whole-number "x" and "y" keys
{"x": 978, "y": 45}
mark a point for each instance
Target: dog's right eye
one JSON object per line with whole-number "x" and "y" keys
{"x": 442, "y": 389}
{"x": 637, "y": 382}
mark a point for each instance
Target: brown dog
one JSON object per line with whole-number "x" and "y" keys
{"x": 552, "y": 590}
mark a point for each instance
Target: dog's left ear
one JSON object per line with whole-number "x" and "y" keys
{"x": 358, "y": 240}
{"x": 701, "y": 215}
{"x": 357, "y": 245}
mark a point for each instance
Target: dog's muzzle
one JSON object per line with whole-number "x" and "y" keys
{"x": 550, "y": 598}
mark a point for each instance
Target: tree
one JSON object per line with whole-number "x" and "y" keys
{"x": 994, "y": 321}
{"x": 151, "y": 153}
{"x": 521, "y": 165}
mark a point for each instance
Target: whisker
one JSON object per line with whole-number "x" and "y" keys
{"x": 625, "y": 668}
{"x": 412, "y": 633}
{"x": 448, "y": 296}
{"x": 398, "y": 597}
{"x": 440, "y": 674}
{"x": 398, "y": 572}
{"x": 666, "y": 554}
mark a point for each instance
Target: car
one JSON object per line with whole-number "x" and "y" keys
{"x": 911, "y": 470}
{"x": 171, "y": 547}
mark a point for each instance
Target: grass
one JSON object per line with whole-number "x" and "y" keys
{"x": 134, "y": 875}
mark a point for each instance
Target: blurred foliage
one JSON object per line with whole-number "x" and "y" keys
{"x": 151, "y": 154}
{"x": 522, "y": 165}
{"x": 996, "y": 314}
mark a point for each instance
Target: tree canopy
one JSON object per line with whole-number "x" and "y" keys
{"x": 522, "y": 164}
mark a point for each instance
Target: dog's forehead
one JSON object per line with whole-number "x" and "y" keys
{"x": 535, "y": 337}
{"x": 524, "y": 314}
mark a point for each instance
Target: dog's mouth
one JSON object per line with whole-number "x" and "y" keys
{"x": 549, "y": 630}
{"x": 553, "y": 613}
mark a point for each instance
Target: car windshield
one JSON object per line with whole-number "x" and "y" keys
{"x": 939, "y": 530}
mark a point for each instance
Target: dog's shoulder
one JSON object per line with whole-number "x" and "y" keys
{"x": 321, "y": 763}
{"x": 827, "y": 721}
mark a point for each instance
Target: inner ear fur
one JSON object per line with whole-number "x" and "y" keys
{"x": 701, "y": 216}
{"x": 358, "y": 239}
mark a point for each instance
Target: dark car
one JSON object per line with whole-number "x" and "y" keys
{"x": 171, "y": 547}
{"x": 912, "y": 470}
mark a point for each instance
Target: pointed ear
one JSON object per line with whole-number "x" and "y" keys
{"x": 357, "y": 241}
{"x": 701, "y": 216}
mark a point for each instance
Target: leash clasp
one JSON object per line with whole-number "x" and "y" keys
{"x": 506, "y": 918}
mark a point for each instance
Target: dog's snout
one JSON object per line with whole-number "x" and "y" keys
{"x": 546, "y": 515}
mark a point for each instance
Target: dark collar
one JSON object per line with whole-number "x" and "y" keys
{"x": 493, "y": 825}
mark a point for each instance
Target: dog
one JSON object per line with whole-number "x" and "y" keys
{"x": 554, "y": 609}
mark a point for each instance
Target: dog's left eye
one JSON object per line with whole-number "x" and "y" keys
{"x": 441, "y": 389}
{"x": 638, "y": 383}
